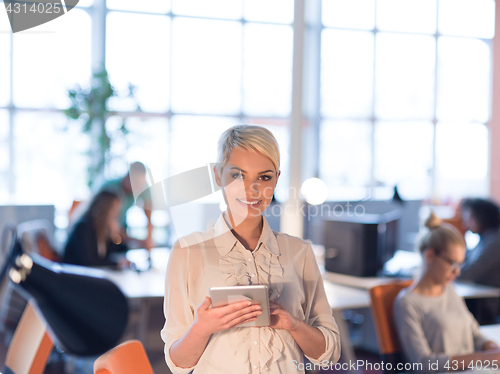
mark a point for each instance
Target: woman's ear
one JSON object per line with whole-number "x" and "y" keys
{"x": 217, "y": 177}
{"x": 429, "y": 254}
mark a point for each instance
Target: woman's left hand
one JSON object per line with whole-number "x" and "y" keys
{"x": 490, "y": 345}
{"x": 281, "y": 319}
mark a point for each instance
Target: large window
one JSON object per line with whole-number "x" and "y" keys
{"x": 405, "y": 97}
{"x": 403, "y": 92}
{"x": 198, "y": 67}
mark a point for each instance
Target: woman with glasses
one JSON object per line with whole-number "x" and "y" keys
{"x": 434, "y": 326}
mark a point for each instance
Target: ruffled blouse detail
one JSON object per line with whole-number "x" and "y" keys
{"x": 269, "y": 273}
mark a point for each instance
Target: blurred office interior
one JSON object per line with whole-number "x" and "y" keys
{"x": 366, "y": 95}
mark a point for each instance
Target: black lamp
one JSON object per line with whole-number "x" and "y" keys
{"x": 87, "y": 314}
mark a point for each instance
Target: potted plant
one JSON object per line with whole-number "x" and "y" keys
{"x": 89, "y": 105}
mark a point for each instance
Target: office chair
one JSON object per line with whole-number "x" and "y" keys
{"x": 382, "y": 301}
{"x": 128, "y": 357}
{"x": 31, "y": 345}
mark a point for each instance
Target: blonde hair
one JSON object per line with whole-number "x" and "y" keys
{"x": 250, "y": 138}
{"x": 439, "y": 235}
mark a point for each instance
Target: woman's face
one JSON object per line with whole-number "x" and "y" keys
{"x": 445, "y": 266}
{"x": 470, "y": 222}
{"x": 248, "y": 180}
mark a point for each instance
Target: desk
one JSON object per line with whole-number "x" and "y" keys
{"x": 466, "y": 290}
{"x": 143, "y": 287}
{"x": 491, "y": 332}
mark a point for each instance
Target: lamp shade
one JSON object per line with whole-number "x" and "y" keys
{"x": 86, "y": 314}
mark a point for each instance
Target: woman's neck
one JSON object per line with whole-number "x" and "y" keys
{"x": 428, "y": 287}
{"x": 248, "y": 231}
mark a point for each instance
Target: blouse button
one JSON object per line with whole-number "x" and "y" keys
{"x": 253, "y": 275}
{"x": 250, "y": 259}
{"x": 255, "y": 342}
{"x": 255, "y": 366}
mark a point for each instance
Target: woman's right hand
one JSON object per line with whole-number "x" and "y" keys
{"x": 211, "y": 320}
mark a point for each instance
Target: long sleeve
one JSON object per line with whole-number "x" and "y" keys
{"x": 179, "y": 315}
{"x": 412, "y": 338}
{"x": 318, "y": 312}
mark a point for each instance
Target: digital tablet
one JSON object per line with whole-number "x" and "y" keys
{"x": 222, "y": 296}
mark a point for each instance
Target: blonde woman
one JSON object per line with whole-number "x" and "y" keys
{"x": 435, "y": 327}
{"x": 242, "y": 250}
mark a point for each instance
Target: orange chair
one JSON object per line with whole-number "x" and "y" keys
{"x": 382, "y": 301}
{"x": 126, "y": 358}
{"x": 30, "y": 347}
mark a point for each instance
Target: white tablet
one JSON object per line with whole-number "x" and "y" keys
{"x": 222, "y": 296}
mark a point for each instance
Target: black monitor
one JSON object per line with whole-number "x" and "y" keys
{"x": 359, "y": 245}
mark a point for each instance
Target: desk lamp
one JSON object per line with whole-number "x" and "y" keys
{"x": 86, "y": 314}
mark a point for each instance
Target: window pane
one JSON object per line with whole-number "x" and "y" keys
{"x": 133, "y": 56}
{"x": 267, "y": 71}
{"x": 467, "y": 18}
{"x": 348, "y": 14}
{"x": 206, "y": 66}
{"x": 345, "y": 158}
{"x": 46, "y": 174}
{"x": 4, "y": 59}
{"x": 62, "y": 59}
{"x": 153, "y": 6}
{"x": 193, "y": 141}
{"x": 4, "y": 154}
{"x": 346, "y": 73}
{"x": 146, "y": 141}
{"x": 462, "y": 159}
{"x": 405, "y": 76}
{"x": 403, "y": 156}
{"x": 209, "y": 8}
{"x": 269, "y": 10}
{"x": 85, "y": 3}
{"x": 407, "y": 15}
{"x": 463, "y": 79}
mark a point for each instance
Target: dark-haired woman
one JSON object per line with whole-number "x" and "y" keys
{"x": 482, "y": 263}
{"x": 97, "y": 234}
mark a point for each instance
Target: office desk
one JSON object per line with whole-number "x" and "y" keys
{"x": 467, "y": 290}
{"x": 142, "y": 287}
{"x": 492, "y": 332}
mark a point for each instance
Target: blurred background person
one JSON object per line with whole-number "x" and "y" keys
{"x": 432, "y": 321}
{"x": 96, "y": 235}
{"x": 481, "y": 265}
{"x": 124, "y": 187}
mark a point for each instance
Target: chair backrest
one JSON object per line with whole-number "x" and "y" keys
{"x": 34, "y": 238}
{"x": 128, "y": 357}
{"x": 382, "y": 301}
{"x": 31, "y": 345}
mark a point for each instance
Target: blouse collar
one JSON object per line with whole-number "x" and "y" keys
{"x": 225, "y": 239}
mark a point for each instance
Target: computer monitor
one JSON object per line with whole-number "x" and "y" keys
{"x": 359, "y": 245}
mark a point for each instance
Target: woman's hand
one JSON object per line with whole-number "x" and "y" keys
{"x": 211, "y": 320}
{"x": 490, "y": 345}
{"x": 281, "y": 319}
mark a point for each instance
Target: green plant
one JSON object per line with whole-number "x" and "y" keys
{"x": 89, "y": 105}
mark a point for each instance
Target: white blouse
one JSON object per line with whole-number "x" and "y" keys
{"x": 215, "y": 258}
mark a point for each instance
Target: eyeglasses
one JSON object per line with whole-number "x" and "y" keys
{"x": 453, "y": 264}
